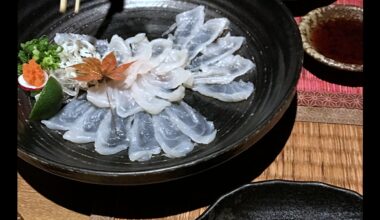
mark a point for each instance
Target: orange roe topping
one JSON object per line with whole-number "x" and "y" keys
{"x": 33, "y": 74}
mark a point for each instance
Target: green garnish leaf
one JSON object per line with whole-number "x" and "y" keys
{"x": 42, "y": 51}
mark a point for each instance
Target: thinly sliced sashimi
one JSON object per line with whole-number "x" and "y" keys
{"x": 206, "y": 35}
{"x": 188, "y": 23}
{"x": 160, "y": 50}
{"x": 84, "y": 129}
{"x": 141, "y": 52}
{"x": 65, "y": 118}
{"x": 224, "y": 71}
{"x": 141, "y": 55}
{"x": 141, "y": 49}
{"x": 122, "y": 50}
{"x": 170, "y": 80}
{"x": 168, "y": 94}
{"x": 216, "y": 51}
{"x": 112, "y": 134}
{"x": 102, "y": 47}
{"x": 142, "y": 141}
{"x": 233, "y": 63}
{"x": 135, "y": 39}
{"x": 172, "y": 141}
{"x": 168, "y": 86}
{"x": 191, "y": 123}
{"x": 147, "y": 100}
{"x": 100, "y": 95}
{"x": 139, "y": 67}
{"x": 232, "y": 92}
{"x": 125, "y": 103}
{"x": 175, "y": 59}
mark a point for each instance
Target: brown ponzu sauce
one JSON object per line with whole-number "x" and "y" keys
{"x": 341, "y": 40}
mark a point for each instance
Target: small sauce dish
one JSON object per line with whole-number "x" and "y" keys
{"x": 333, "y": 35}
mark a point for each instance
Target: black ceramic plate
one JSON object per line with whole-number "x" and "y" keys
{"x": 287, "y": 200}
{"x": 272, "y": 39}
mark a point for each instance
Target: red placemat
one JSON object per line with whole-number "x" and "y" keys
{"x": 321, "y": 100}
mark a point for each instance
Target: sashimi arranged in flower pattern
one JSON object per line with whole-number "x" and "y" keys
{"x": 127, "y": 95}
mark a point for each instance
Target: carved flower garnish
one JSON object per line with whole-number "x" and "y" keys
{"x": 94, "y": 69}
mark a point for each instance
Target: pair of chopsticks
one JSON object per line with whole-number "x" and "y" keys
{"x": 63, "y": 6}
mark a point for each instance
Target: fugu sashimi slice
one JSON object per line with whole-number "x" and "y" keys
{"x": 191, "y": 123}
{"x": 168, "y": 94}
{"x": 233, "y": 63}
{"x": 125, "y": 103}
{"x": 232, "y": 92}
{"x": 160, "y": 50}
{"x": 147, "y": 100}
{"x": 172, "y": 141}
{"x": 84, "y": 130}
{"x": 141, "y": 55}
{"x": 135, "y": 39}
{"x": 174, "y": 60}
{"x": 206, "y": 35}
{"x": 170, "y": 80}
{"x": 112, "y": 134}
{"x": 224, "y": 71}
{"x": 216, "y": 51}
{"x": 142, "y": 141}
{"x": 65, "y": 118}
{"x": 121, "y": 49}
{"x": 140, "y": 48}
{"x": 102, "y": 47}
{"x": 141, "y": 51}
{"x": 188, "y": 23}
{"x": 98, "y": 96}
{"x": 137, "y": 68}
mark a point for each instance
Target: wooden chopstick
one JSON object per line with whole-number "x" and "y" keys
{"x": 77, "y": 4}
{"x": 63, "y": 6}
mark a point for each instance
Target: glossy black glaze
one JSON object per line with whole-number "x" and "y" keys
{"x": 287, "y": 200}
{"x": 273, "y": 41}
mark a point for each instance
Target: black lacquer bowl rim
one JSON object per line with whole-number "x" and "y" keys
{"x": 261, "y": 185}
{"x": 190, "y": 167}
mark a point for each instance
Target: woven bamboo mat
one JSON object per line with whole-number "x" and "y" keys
{"x": 330, "y": 153}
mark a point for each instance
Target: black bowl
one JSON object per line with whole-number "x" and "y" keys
{"x": 273, "y": 40}
{"x": 280, "y": 199}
